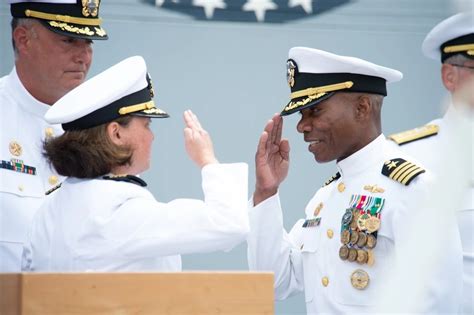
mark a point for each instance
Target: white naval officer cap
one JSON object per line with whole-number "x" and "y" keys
{"x": 315, "y": 75}
{"x": 452, "y": 36}
{"x": 123, "y": 89}
{"x": 72, "y": 18}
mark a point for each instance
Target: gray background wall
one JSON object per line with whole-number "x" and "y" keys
{"x": 232, "y": 75}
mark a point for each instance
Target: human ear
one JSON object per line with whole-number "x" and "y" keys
{"x": 114, "y": 131}
{"x": 21, "y": 36}
{"x": 363, "y": 107}
{"x": 449, "y": 76}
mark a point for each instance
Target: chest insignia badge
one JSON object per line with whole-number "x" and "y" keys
{"x": 15, "y": 148}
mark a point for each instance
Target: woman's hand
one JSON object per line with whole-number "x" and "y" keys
{"x": 197, "y": 141}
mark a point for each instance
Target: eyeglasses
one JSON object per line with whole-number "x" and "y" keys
{"x": 462, "y": 66}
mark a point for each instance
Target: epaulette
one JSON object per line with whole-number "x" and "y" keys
{"x": 414, "y": 134}
{"x": 401, "y": 170}
{"x": 126, "y": 178}
{"x": 53, "y": 189}
{"x": 333, "y": 178}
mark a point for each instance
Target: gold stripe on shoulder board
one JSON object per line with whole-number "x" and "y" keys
{"x": 401, "y": 170}
{"x": 414, "y": 134}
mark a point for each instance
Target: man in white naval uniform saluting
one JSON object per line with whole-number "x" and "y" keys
{"x": 344, "y": 249}
{"x": 52, "y": 41}
{"x": 445, "y": 145}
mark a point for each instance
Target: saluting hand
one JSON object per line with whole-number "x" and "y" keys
{"x": 197, "y": 141}
{"x": 271, "y": 160}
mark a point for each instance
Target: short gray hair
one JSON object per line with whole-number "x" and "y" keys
{"x": 457, "y": 59}
{"x": 16, "y": 22}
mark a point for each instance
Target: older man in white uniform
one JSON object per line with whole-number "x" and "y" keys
{"x": 355, "y": 225}
{"x": 53, "y": 52}
{"x": 445, "y": 145}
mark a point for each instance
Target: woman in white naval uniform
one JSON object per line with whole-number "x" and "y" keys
{"x": 102, "y": 218}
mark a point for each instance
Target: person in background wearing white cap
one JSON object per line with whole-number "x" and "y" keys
{"x": 52, "y": 42}
{"x": 102, "y": 218}
{"x": 444, "y": 142}
{"x": 342, "y": 252}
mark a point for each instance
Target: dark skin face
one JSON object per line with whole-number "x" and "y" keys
{"x": 339, "y": 126}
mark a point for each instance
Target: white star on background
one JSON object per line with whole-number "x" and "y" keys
{"x": 307, "y": 5}
{"x": 260, "y": 7}
{"x": 209, "y": 6}
{"x": 159, "y": 3}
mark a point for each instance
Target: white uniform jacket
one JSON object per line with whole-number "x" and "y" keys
{"x": 104, "y": 225}
{"x": 434, "y": 152}
{"x": 308, "y": 258}
{"x": 24, "y": 174}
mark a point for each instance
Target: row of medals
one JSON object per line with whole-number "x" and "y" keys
{"x": 359, "y": 236}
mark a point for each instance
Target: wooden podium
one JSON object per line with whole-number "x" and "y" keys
{"x": 136, "y": 293}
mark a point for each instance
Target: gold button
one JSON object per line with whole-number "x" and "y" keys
{"x": 49, "y": 132}
{"x": 21, "y": 188}
{"x": 325, "y": 281}
{"x": 317, "y": 210}
{"x": 53, "y": 180}
{"x": 341, "y": 187}
{"x": 330, "y": 233}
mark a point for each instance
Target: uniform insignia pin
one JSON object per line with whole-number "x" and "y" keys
{"x": 15, "y": 148}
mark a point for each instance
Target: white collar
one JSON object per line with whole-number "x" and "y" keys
{"x": 27, "y": 102}
{"x": 363, "y": 159}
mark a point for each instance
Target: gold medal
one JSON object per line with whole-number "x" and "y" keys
{"x": 372, "y": 224}
{"x": 361, "y": 221}
{"x": 344, "y": 252}
{"x": 15, "y": 148}
{"x": 354, "y": 237}
{"x": 352, "y": 254}
{"x": 360, "y": 279}
{"x": 345, "y": 237}
{"x": 362, "y": 239}
{"x": 355, "y": 218}
{"x": 370, "y": 257}
{"x": 371, "y": 241}
{"x": 362, "y": 256}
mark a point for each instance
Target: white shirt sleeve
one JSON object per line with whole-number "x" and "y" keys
{"x": 144, "y": 228}
{"x": 271, "y": 248}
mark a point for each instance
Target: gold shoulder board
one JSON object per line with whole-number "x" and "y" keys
{"x": 53, "y": 189}
{"x": 414, "y": 134}
{"x": 333, "y": 178}
{"x": 401, "y": 170}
